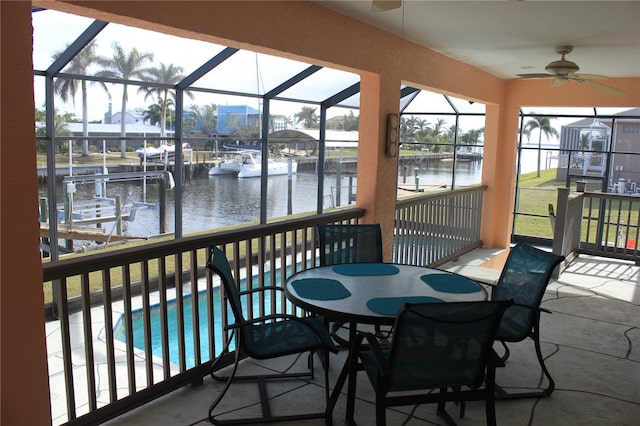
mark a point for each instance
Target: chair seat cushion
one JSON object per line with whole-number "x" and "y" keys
{"x": 284, "y": 337}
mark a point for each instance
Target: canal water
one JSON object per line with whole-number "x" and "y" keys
{"x": 215, "y": 201}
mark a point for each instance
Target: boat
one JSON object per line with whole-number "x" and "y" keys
{"x": 229, "y": 163}
{"x": 249, "y": 164}
{"x": 158, "y": 153}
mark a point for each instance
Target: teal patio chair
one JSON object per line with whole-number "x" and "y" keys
{"x": 266, "y": 337}
{"x": 524, "y": 279}
{"x": 349, "y": 243}
{"x": 441, "y": 347}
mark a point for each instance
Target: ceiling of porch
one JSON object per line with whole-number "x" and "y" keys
{"x": 506, "y": 38}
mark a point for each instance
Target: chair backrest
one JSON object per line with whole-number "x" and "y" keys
{"x": 349, "y": 243}
{"x": 219, "y": 264}
{"x": 524, "y": 280}
{"x": 442, "y": 344}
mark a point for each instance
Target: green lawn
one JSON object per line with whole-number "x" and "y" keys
{"x": 536, "y": 193}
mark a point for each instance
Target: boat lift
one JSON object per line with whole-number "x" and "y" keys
{"x": 72, "y": 221}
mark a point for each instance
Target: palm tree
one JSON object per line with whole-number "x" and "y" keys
{"x": 67, "y": 88}
{"x": 288, "y": 122}
{"x": 438, "y": 128}
{"x": 125, "y": 66}
{"x": 421, "y": 129}
{"x": 308, "y": 117}
{"x": 543, "y": 124}
{"x": 153, "y": 114}
{"x": 164, "y": 74}
{"x": 406, "y": 128}
{"x": 471, "y": 137}
{"x": 351, "y": 121}
{"x": 59, "y": 129}
{"x": 203, "y": 119}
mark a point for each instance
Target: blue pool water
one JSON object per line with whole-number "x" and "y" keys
{"x": 155, "y": 324}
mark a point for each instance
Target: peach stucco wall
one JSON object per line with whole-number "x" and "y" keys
{"x": 23, "y": 369}
{"x": 298, "y": 30}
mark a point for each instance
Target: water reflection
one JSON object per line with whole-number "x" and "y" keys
{"x": 216, "y": 201}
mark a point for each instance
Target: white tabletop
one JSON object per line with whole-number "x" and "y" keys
{"x": 364, "y": 282}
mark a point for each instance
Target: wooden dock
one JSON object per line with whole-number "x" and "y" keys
{"x": 428, "y": 187}
{"x": 79, "y": 232}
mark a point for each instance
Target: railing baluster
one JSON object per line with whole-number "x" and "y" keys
{"x": 210, "y": 310}
{"x": 164, "y": 318}
{"x": 261, "y": 275}
{"x": 146, "y": 320}
{"x": 88, "y": 337}
{"x": 195, "y": 306}
{"x": 108, "y": 334}
{"x": 182, "y": 361}
{"x": 637, "y": 226}
{"x": 128, "y": 327}
{"x": 65, "y": 335}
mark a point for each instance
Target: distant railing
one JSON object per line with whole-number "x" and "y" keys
{"x": 598, "y": 224}
{"x": 147, "y": 293}
{"x": 432, "y": 229}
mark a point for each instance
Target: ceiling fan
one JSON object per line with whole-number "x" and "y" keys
{"x": 563, "y": 70}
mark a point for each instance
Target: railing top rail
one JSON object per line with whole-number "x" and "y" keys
{"x": 419, "y": 199}
{"x": 93, "y": 262}
{"x": 611, "y": 195}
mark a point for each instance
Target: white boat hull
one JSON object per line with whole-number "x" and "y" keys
{"x": 275, "y": 168}
{"x": 249, "y": 164}
{"x": 161, "y": 153}
{"x": 225, "y": 169}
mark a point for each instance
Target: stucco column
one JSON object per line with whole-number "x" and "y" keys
{"x": 23, "y": 360}
{"x": 377, "y": 173}
{"x": 499, "y": 174}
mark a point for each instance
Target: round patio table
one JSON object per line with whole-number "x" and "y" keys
{"x": 372, "y": 293}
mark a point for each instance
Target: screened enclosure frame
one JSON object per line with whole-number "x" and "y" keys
{"x": 608, "y": 153}
{"x": 189, "y": 84}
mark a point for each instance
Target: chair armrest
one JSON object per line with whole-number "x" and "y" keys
{"x": 374, "y": 347}
{"x": 260, "y": 289}
{"x": 533, "y": 308}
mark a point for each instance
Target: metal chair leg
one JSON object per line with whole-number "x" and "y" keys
{"x": 502, "y": 394}
{"x": 264, "y": 399}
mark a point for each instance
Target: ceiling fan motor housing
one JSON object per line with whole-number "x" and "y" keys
{"x": 562, "y": 67}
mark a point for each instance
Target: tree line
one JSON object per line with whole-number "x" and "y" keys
{"x": 133, "y": 64}
{"x": 417, "y": 133}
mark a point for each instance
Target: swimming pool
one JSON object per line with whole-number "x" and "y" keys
{"x": 172, "y": 323}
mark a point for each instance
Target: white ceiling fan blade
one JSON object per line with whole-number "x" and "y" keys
{"x": 384, "y": 5}
{"x": 535, "y": 75}
{"x": 591, "y": 76}
{"x": 608, "y": 89}
{"x": 559, "y": 81}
